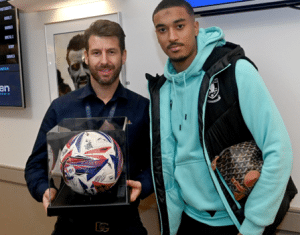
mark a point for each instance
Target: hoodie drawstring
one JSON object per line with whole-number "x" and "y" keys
{"x": 184, "y": 104}
{"x": 185, "y": 98}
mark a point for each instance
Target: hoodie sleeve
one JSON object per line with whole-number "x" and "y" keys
{"x": 266, "y": 125}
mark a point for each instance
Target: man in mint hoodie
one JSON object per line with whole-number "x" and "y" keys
{"x": 209, "y": 98}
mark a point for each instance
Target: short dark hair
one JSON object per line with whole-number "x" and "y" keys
{"x": 76, "y": 44}
{"x": 105, "y": 28}
{"x": 165, "y": 4}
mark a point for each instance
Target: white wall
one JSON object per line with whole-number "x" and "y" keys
{"x": 270, "y": 38}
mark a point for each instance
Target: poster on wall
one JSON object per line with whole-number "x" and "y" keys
{"x": 72, "y": 71}
{"x": 67, "y": 70}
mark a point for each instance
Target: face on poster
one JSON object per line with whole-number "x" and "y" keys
{"x": 72, "y": 71}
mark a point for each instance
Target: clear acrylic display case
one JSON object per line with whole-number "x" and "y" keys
{"x": 68, "y": 201}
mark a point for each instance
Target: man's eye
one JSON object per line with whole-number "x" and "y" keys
{"x": 180, "y": 26}
{"x": 162, "y": 30}
{"x": 75, "y": 67}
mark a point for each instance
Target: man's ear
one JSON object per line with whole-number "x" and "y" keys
{"x": 124, "y": 57}
{"x": 196, "y": 26}
{"x": 86, "y": 57}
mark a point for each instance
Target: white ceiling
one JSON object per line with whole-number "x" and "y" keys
{"x": 44, "y": 5}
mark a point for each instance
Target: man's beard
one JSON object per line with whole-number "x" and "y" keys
{"x": 109, "y": 82}
{"x": 179, "y": 59}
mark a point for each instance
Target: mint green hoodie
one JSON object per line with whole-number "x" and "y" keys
{"x": 191, "y": 172}
{"x": 187, "y": 180}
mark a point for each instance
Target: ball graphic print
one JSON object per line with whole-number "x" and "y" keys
{"x": 91, "y": 162}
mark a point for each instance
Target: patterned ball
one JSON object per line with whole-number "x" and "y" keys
{"x": 91, "y": 162}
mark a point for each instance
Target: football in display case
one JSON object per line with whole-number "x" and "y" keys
{"x": 91, "y": 162}
{"x": 87, "y": 164}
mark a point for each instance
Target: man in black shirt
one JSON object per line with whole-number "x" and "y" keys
{"x": 105, "y": 54}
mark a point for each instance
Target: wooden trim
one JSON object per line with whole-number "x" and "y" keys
{"x": 15, "y": 175}
{"x": 12, "y": 174}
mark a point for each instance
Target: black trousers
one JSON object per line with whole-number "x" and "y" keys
{"x": 191, "y": 226}
{"x": 129, "y": 224}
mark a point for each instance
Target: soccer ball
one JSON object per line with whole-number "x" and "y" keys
{"x": 91, "y": 162}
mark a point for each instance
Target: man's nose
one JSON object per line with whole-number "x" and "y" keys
{"x": 104, "y": 58}
{"x": 173, "y": 36}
